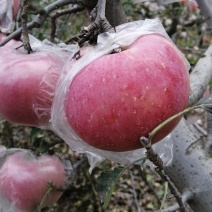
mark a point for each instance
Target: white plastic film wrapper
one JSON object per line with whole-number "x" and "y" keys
{"x": 8, "y": 12}
{"x": 125, "y": 35}
{"x": 34, "y": 76}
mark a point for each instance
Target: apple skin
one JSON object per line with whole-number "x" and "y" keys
{"x": 120, "y": 97}
{"x": 27, "y": 84}
{"x": 24, "y": 180}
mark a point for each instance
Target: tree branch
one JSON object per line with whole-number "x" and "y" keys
{"x": 206, "y": 9}
{"x": 208, "y": 145}
{"x": 40, "y": 19}
{"x": 186, "y": 197}
{"x": 98, "y": 24}
{"x": 200, "y": 77}
{"x": 74, "y": 9}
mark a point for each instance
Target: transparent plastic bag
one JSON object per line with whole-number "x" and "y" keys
{"x": 35, "y": 76}
{"x": 8, "y": 12}
{"x": 125, "y": 35}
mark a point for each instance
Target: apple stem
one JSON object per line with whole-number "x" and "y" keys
{"x": 163, "y": 124}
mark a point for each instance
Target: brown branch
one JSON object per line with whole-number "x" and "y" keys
{"x": 200, "y": 77}
{"x": 206, "y": 9}
{"x": 134, "y": 191}
{"x": 143, "y": 176}
{"x": 74, "y": 9}
{"x": 100, "y": 24}
{"x": 39, "y": 19}
{"x": 208, "y": 145}
{"x": 24, "y": 19}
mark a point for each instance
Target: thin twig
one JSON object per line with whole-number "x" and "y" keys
{"x": 24, "y": 19}
{"x": 134, "y": 191}
{"x": 208, "y": 145}
{"x": 206, "y": 9}
{"x": 100, "y": 24}
{"x": 73, "y": 9}
{"x": 186, "y": 197}
{"x": 200, "y": 77}
{"x": 40, "y": 19}
{"x": 165, "y": 196}
{"x": 143, "y": 176}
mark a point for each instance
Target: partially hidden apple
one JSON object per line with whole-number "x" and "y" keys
{"x": 27, "y": 84}
{"x": 120, "y": 97}
{"x": 191, "y": 4}
{"x": 25, "y": 179}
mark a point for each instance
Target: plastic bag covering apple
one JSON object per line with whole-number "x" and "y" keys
{"x": 24, "y": 179}
{"x": 8, "y": 12}
{"x": 118, "y": 149}
{"x": 27, "y": 81}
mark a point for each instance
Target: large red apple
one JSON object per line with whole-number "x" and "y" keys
{"x": 27, "y": 84}
{"x": 120, "y": 97}
{"x": 24, "y": 180}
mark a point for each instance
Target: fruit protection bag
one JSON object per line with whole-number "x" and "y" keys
{"x": 6, "y": 16}
{"x": 125, "y": 35}
{"x": 29, "y": 80}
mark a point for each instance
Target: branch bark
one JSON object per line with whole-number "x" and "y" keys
{"x": 39, "y": 19}
{"x": 191, "y": 168}
{"x": 200, "y": 77}
{"x": 205, "y": 7}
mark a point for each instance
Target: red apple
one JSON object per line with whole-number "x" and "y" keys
{"x": 24, "y": 180}
{"x": 120, "y": 97}
{"x": 27, "y": 84}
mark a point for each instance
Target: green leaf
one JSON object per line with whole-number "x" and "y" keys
{"x": 43, "y": 148}
{"x": 108, "y": 180}
{"x": 38, "y": 141}
{"x": 106, "y": 183}
{"x": 34, "y": 134}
